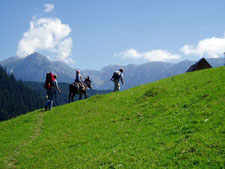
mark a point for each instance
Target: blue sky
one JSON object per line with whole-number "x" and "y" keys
{"x": 90, "y": 34}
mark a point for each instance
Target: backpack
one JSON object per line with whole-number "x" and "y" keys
{"x": 49, "y": 80}
{"x": 116, "y": 75}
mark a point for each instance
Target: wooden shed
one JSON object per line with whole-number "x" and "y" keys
{"x": 201, "y": 64}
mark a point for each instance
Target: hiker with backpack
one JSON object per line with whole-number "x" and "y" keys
{"x": 51, "y": 85}
{"x": 116, "y": 77}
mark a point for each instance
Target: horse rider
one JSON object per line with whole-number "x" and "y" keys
{"x": 79, "y": 80}
{"x": 116, "y": 77}
{"x": 51, "y": 92}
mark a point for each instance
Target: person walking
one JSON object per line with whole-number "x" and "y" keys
{"x": 51, "y": 85}
{"x": 116, "y": 78}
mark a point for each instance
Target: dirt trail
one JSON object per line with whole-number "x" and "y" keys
{"x": 12, "y": 159}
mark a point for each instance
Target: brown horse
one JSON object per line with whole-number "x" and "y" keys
{"x": 75, "y": 89}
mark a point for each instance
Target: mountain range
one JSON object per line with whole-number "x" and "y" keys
{"x": 34, "y": 68}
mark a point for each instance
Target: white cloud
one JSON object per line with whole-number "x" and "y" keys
{"x": 211, "y": 47}
{"x": 49, "y": 7}
{"x": 129, "y": 53}
{"x": 47, "y": 34}
{"x": 153, "y": 55}
{"x": 160, "y": 55}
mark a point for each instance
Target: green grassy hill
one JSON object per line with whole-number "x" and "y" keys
{"x": 177, "y": 122}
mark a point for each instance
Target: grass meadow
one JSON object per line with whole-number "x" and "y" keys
{"x": 178, "y": 122}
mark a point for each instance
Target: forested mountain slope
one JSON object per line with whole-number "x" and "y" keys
{"x": 16, "y": 98}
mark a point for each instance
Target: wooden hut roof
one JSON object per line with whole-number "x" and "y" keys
{"x": 201, "y": 64}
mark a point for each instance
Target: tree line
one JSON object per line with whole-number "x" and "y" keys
{"x": 15, "y": 97}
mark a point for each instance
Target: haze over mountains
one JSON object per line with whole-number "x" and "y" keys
{"x": 35, "y": 66}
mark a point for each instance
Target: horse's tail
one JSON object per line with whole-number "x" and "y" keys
{"x": 70, "y": 87}
{"x": 69, "y": 96}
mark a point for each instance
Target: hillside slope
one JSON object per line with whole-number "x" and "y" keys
{"x": 177, "y": 122}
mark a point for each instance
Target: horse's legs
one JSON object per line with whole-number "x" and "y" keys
{"x": 85, "y": 95}
{"x": 80, "y": 96}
